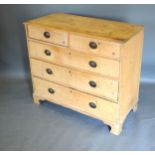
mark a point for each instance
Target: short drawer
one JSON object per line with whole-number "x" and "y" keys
{"x": 91, "y": 105}
{"x": 95, "y": 46}
{"x": 86, "y": 82}
{"x": 74, "y": 59}
{"x": 48, "y": 35}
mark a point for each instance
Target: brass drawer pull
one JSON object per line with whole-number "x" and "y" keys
{"x": 47, "y": 52}
{"x": 93, "y": 64}
{"x": 92, "y": 45}
{"x": 49, "y": 71}
{"x": 51, "y": 90}
{"x": 92, "y": 84}
{"x": 46, "y": 34}
{"x": 92, "y": 105}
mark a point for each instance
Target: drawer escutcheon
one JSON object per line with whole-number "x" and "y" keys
{"x": 93, "y": 45}
{"x": 92, "y": 105}
{"x": 47, "y": 52}
{"x": 93, "y": 84}
{"x": 51, "y": 90}
{"x": 49, "y": 71}
{"x": 93, "y": 64}
{"x": 47, "y": 34}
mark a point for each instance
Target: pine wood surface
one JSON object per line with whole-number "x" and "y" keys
{"x": 112, "y": 30}
{"x": 117, "y": 56}
{"x": 106, "y": 88}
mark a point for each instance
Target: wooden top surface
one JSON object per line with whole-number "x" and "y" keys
{"x": 107, "y": 29}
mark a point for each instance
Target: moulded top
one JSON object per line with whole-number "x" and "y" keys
{"x": 107, "y": 29}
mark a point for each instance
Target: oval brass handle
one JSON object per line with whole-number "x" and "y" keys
{"x": 46, "y": 34}
{"x": 49, "y": 71}
{"x": 93, "y": 64}
{"x": 92, "y": 84}
{"x": 51, "y": 90}
{"x": 92, "y": 45}
{"x": 47, "y": 52}
{"x": 92, "y": 105}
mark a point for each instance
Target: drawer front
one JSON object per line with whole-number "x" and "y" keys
{"x": 71, "y": 58}
{"x": 76, "y": 100}
{"x": 48, "y": 35}
{"x": 95, "y": 85}
{"x": 95, "y": 46}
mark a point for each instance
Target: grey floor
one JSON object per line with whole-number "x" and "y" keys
{"x": 25, "y": 126}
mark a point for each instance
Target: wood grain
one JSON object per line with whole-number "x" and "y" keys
{"x": 131, "y": 57}
{"x": 56, "y": 36}
{"x": 118, "y": 56}
{"x": 106, "y": 88}
{"x": 76, "y": 100}
{"x": 74, "y": 59}
{"x": 104, "y": 48}
{"x": 99, "y": 28}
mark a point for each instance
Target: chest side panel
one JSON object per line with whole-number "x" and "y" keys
{"x": 130, "y": 65}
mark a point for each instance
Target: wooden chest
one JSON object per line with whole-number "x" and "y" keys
{"x": 89, "y": 65}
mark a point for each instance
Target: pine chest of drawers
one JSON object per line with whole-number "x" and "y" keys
{"x": 89, "y": 65}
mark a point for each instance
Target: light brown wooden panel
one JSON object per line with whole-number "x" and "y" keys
{"x": 105, "y": 29}
{"x": 105, "y": 110}
{"x": 131, "y": 56}
{"x": 106, "y": 88}
{"x": 56, "y": 36}
{"x": 117, "y": 55}
{"x": 104, "y": 48}
{"x": 75, "y": 59}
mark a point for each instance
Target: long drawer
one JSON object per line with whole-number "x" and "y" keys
{"x": 71, "y": 58}
{"x": 95, "y": 85}
{"x": 76, "y": 100}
